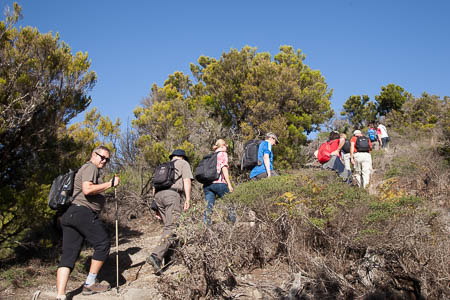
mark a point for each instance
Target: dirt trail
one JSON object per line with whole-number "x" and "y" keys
{"x": 136, "y": 278}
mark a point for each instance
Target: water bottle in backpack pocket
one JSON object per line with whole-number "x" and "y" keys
{"x": 61, "y": 191}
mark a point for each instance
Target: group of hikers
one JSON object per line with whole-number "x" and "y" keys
{"x": 81, "y": 221}
{"x": 340, "y": 153}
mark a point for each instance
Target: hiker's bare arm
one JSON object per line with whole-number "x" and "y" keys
{"x": 341, "y": 144}
{"x": 267, "y": 164}
{"x": 352, "y": 150}
{"x": 226, "y": 175}
{"x": 187, "y": 192}
{"x": 89, "y": 188}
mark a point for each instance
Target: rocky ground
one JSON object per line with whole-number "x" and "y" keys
{"x": 137, "y": 281}
{"x": 136, "y": 278}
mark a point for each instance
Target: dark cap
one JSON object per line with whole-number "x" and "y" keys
{"x": 179, "y": 152}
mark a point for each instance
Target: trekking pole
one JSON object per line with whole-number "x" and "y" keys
{"x": 117, "y": 238}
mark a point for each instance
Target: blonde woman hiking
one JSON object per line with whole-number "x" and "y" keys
{"x": 222, "y": 185}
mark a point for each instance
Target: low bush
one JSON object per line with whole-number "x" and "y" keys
{"x": 339, "y": 239}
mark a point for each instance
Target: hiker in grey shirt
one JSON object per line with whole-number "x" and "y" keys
{"x": 81, "y": 222}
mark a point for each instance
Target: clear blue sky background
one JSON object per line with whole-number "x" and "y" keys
{"x": 359, "y": 45}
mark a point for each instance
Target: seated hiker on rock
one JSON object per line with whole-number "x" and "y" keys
{"x": 265, "y": 158}
{"x": 222, "y": 185}
{"x": 336, "y": 143}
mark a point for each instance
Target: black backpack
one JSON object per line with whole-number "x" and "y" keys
{"x": 362, "y": 144}
{"x": 250, "y": 156}
{"x": 61, "y": 191}
{"x": 164, "y": 176}
{"x": 346, "y": 147}
{"x": 206, "y": 171}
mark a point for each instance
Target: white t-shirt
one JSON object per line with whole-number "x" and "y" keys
{"x": 383, "y": 130}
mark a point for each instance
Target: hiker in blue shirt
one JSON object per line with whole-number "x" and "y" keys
{"x": 264, "y": 168}
{"x": 372, "y": 134}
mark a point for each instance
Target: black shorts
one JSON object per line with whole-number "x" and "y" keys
{"x": 80, "y": 223}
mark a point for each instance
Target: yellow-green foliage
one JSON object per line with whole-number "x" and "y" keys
{"x": 239, "y": 96}
{"x": 42, "y": 87}
{"x": 401, "y": 166}
{"x": 20, "y": 212}
{"x": 419, "y": 114}
{"x": 315, "y": 196}
{"x": 93, "y": 131}
{"x": 391, "y": 209}
{"x": 170, "y": 120}
{"x": 254, "y": 94}
{"x": 359, "y": 111}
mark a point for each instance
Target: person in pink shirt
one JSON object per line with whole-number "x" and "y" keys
{"x": 222, "y": 185}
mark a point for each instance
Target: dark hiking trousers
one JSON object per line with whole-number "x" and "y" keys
{"x": 80, "y": 223}
{"x": 264, "y": 175}
{"x": 211, "y": 192}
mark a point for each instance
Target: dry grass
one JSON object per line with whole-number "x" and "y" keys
{"x": 335, "y": 241}
{"x": 306, "y": 235}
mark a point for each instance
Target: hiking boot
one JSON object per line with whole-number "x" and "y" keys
{"x": 155, "y": 263}
{"x": 95, "y": 288}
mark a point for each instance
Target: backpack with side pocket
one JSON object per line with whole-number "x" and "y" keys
{"x": 164, "y": 176}
{"x": 206, "y": 171}
{"x": 61, "y": 191}
{"x": 250, "y": 156}
{"x": 362, "y": 144}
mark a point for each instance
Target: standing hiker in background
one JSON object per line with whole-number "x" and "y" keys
{"x": 336, "y": 143}
{"x": 264, "y": 168}
{"x": 81, "y": 222}
{"x": 383, "y": 135}
{"x": 221, "y": 186}
{"x": 168, "y": 201}
{"x": 346, "y": 152}
{"x": 373, "y": 135}
{"x": 360, "y": 147}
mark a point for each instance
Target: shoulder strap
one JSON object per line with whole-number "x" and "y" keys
{"x": 181, "y": 175}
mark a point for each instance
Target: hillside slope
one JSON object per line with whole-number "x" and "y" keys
{"x": 303, "y": 235}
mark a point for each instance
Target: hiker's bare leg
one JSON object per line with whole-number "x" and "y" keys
{"x": 96, "y": 265}
{"x": 62, "y": 276}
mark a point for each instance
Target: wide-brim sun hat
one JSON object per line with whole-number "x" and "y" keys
{"x": 179, "y": 152}
{"x": 356, "y": 132}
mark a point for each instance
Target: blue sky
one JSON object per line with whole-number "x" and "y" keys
{"x": 359, "y": 45}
